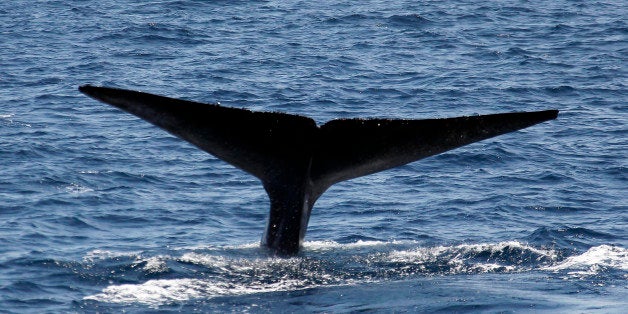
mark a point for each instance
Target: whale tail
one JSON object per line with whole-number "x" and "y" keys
{"x": 295, "y": 159}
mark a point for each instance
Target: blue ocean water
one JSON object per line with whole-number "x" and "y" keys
{"x": 102, "y": 212}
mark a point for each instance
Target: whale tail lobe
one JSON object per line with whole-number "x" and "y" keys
{"x": 295, "y": 159}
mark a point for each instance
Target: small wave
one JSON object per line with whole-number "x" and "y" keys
{"x": 331, "y": 245}
{"x": 568, "y": 237}
{"x": 560, "y": 90}
{"x": 407, "y": 20}
{"x": 135, "y": 262}
{"x": 594, "y": 261}
{"x": 99, "y": 255}
{"x": 516, "y": 51}
{"x": 214, "y": 272}
{"x": 154, "y": 265}
{"x": 355, "y": 17}
{"x": 473, "y": 258}
{"x": 8, "y": 119}
{"x": 93, "y": 171}
{"x": 166, "y": 291}
{"x": 75, "y": 188}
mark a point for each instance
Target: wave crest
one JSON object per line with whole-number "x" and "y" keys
{"x": 213, "y": 272}
{"x": 594, "y": 261}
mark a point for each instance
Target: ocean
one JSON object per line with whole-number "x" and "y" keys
{"x": 103, "y": 212}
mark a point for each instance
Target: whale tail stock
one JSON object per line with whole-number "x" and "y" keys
{"x": 295, "y": 159}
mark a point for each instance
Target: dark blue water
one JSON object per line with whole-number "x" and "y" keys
{"x": 102, "y": 212}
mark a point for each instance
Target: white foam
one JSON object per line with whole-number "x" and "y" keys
{"x": 228, "y": 276}
{"x": 164, "y": 291}
{"x": 234, "y": 267}
{"x": 244, "y": 246}
{"x": 594, "y": 260}
{"x": 307, "y": 246}
{"x": 155, "y": 264}
{"x": 332, "y": 245}
{"x": 152, "y": 292}
{"x": 206, "y": 260}
{"x": 458, "y": 251}
{"x": 9, "y": 119}
{"x": 96, "y": 255}
{"x": 77, "y": 189}
{"x": 460, "y": 258}
{"x": 501, "y": 246}
{"x": 210, "y": 247}
{"x": 89, "y": 172}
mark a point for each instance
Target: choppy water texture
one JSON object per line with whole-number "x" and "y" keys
{"x": 101, "y": 212}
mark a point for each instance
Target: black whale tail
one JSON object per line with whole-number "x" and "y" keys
{"x": 295, "y": 159}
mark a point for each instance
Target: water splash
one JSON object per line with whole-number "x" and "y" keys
{"x": 594, "y": 261}
{"x": 215, "y": 272}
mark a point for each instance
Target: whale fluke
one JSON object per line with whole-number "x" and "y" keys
{"x": 296, "y": 160}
